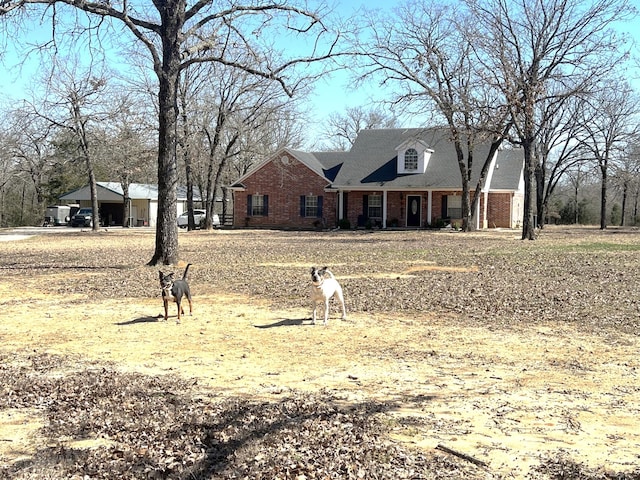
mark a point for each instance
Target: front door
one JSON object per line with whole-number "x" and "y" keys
{"x": 414, "y": 208}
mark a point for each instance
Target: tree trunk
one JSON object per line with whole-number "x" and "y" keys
{"x": 540, "y": 197}
{"x": 214, "y": 143}
{"x": 94, "y": 197}
{"x": 166, "y": 251}
{"x": 166, "y": 227}
{"x": 528, "y": 224}
{"x": 225, "y": 201}
{"x": 467, "y": 224}
{"x": 126, "y": 210}
{"x": 465, "y": 169}
{"x": 186, "y": 157}
{"x": 635, "y": 208}
{"x": 218, "y": 180}
{"x": 625, "y": 192}
{"x": 603, "y": 200}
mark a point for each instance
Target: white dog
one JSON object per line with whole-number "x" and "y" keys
{"x": 324, "y": 286}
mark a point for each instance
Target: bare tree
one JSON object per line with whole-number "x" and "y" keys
{"x": 27, "y": 144}
{"x": 526, "y": 45}
{"x": 73, "y": 103}
{"x": 7, "y": 169}
{"x": 557, "y": 150}
{"x": 130, "y": 151}
{"x": 610, "y": 120}
{"x": 267, "y": 137}
{"x": 626, "y": 177}
{"x": 176, "y": 35}
{"x": 193, "y": 81}
{"x": 343, "y": 128}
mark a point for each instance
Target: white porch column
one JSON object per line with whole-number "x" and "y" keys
{"x": 384, "y": 209}
{"x": 485, "y": 221}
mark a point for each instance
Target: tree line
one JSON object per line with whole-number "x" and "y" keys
{"x": 197, "y": 92}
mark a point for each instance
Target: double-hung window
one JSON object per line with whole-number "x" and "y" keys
{"x": 311, "y": 206}
{"x": 257, "y": 205}
{"x": 375, "y": 206}
{"x": 454, "y": 206}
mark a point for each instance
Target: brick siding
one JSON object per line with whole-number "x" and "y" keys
{"x": 284, "y": 183}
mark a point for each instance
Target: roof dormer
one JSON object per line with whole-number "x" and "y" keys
{"x": 413, "y": 156}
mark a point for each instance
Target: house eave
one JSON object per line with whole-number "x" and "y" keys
{"x": 392, "y": 188}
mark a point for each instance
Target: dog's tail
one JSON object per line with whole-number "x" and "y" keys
{"x": 186, "y": 272}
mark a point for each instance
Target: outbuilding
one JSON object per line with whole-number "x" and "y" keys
{"x": 143, "y": 202}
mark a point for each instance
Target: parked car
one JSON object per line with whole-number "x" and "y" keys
{"x": 83, "y": 218}
{"x": 198, "y": 217}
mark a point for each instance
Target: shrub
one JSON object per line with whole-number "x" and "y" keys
{"x": 344, "y": 224}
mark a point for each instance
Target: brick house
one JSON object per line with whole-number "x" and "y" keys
{"x": 390, "y": 178}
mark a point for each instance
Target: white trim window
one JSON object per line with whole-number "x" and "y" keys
{"x": 410, "y": 159}
{"x": 454, "y": 206}
{"x": 310, "y": 206}
{"x": 257, "y": 205}
{"x": 375, "y": 206}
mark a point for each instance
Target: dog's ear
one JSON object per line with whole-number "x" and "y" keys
{"x": 313, "y": 269}
{"x": 160, "y": 274}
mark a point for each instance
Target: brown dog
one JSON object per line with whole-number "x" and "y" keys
{"x": 174, "y": 290}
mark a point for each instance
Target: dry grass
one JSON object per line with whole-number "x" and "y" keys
{"x": 522, "y": 355}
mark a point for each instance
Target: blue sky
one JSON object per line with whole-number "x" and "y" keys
{"x": 332, "y": 94}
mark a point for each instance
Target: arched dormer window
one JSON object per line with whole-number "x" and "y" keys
{"x": 410, "y": 159}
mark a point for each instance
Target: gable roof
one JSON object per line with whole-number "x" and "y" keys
{"x": 330, "y": 163}
{"x": 324, "y": 164}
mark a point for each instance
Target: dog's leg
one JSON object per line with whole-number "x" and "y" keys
{"x": 190, "y": 303}
{"x": 179, "y": 304}
{"x": 341, "y": 300}
{"x": 166, "y": 308}
{"x": 315, "y": 309}
{"x": 326, "y": 311}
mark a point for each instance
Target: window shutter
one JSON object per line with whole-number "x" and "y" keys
{"x": 319, "y": 211}
{"x": 249, "y": 209}
{"x": 444, "y": 206}
{"x": 266, "y": 205}
{"x": 302, "y": 205}
{"x": 365, "y": 206}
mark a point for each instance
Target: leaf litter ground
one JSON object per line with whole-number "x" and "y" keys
{"x": 464, "y": 356}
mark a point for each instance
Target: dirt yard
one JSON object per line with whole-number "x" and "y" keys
{"x": 509, "y": 359}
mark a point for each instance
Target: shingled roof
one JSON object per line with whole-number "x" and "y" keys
{"x": 372, "y": 162}
{"x": 325, "y": 164}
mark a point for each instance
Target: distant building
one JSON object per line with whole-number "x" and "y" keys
{"x": 407, "y": 178}
{"x": 143, "y": 199}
